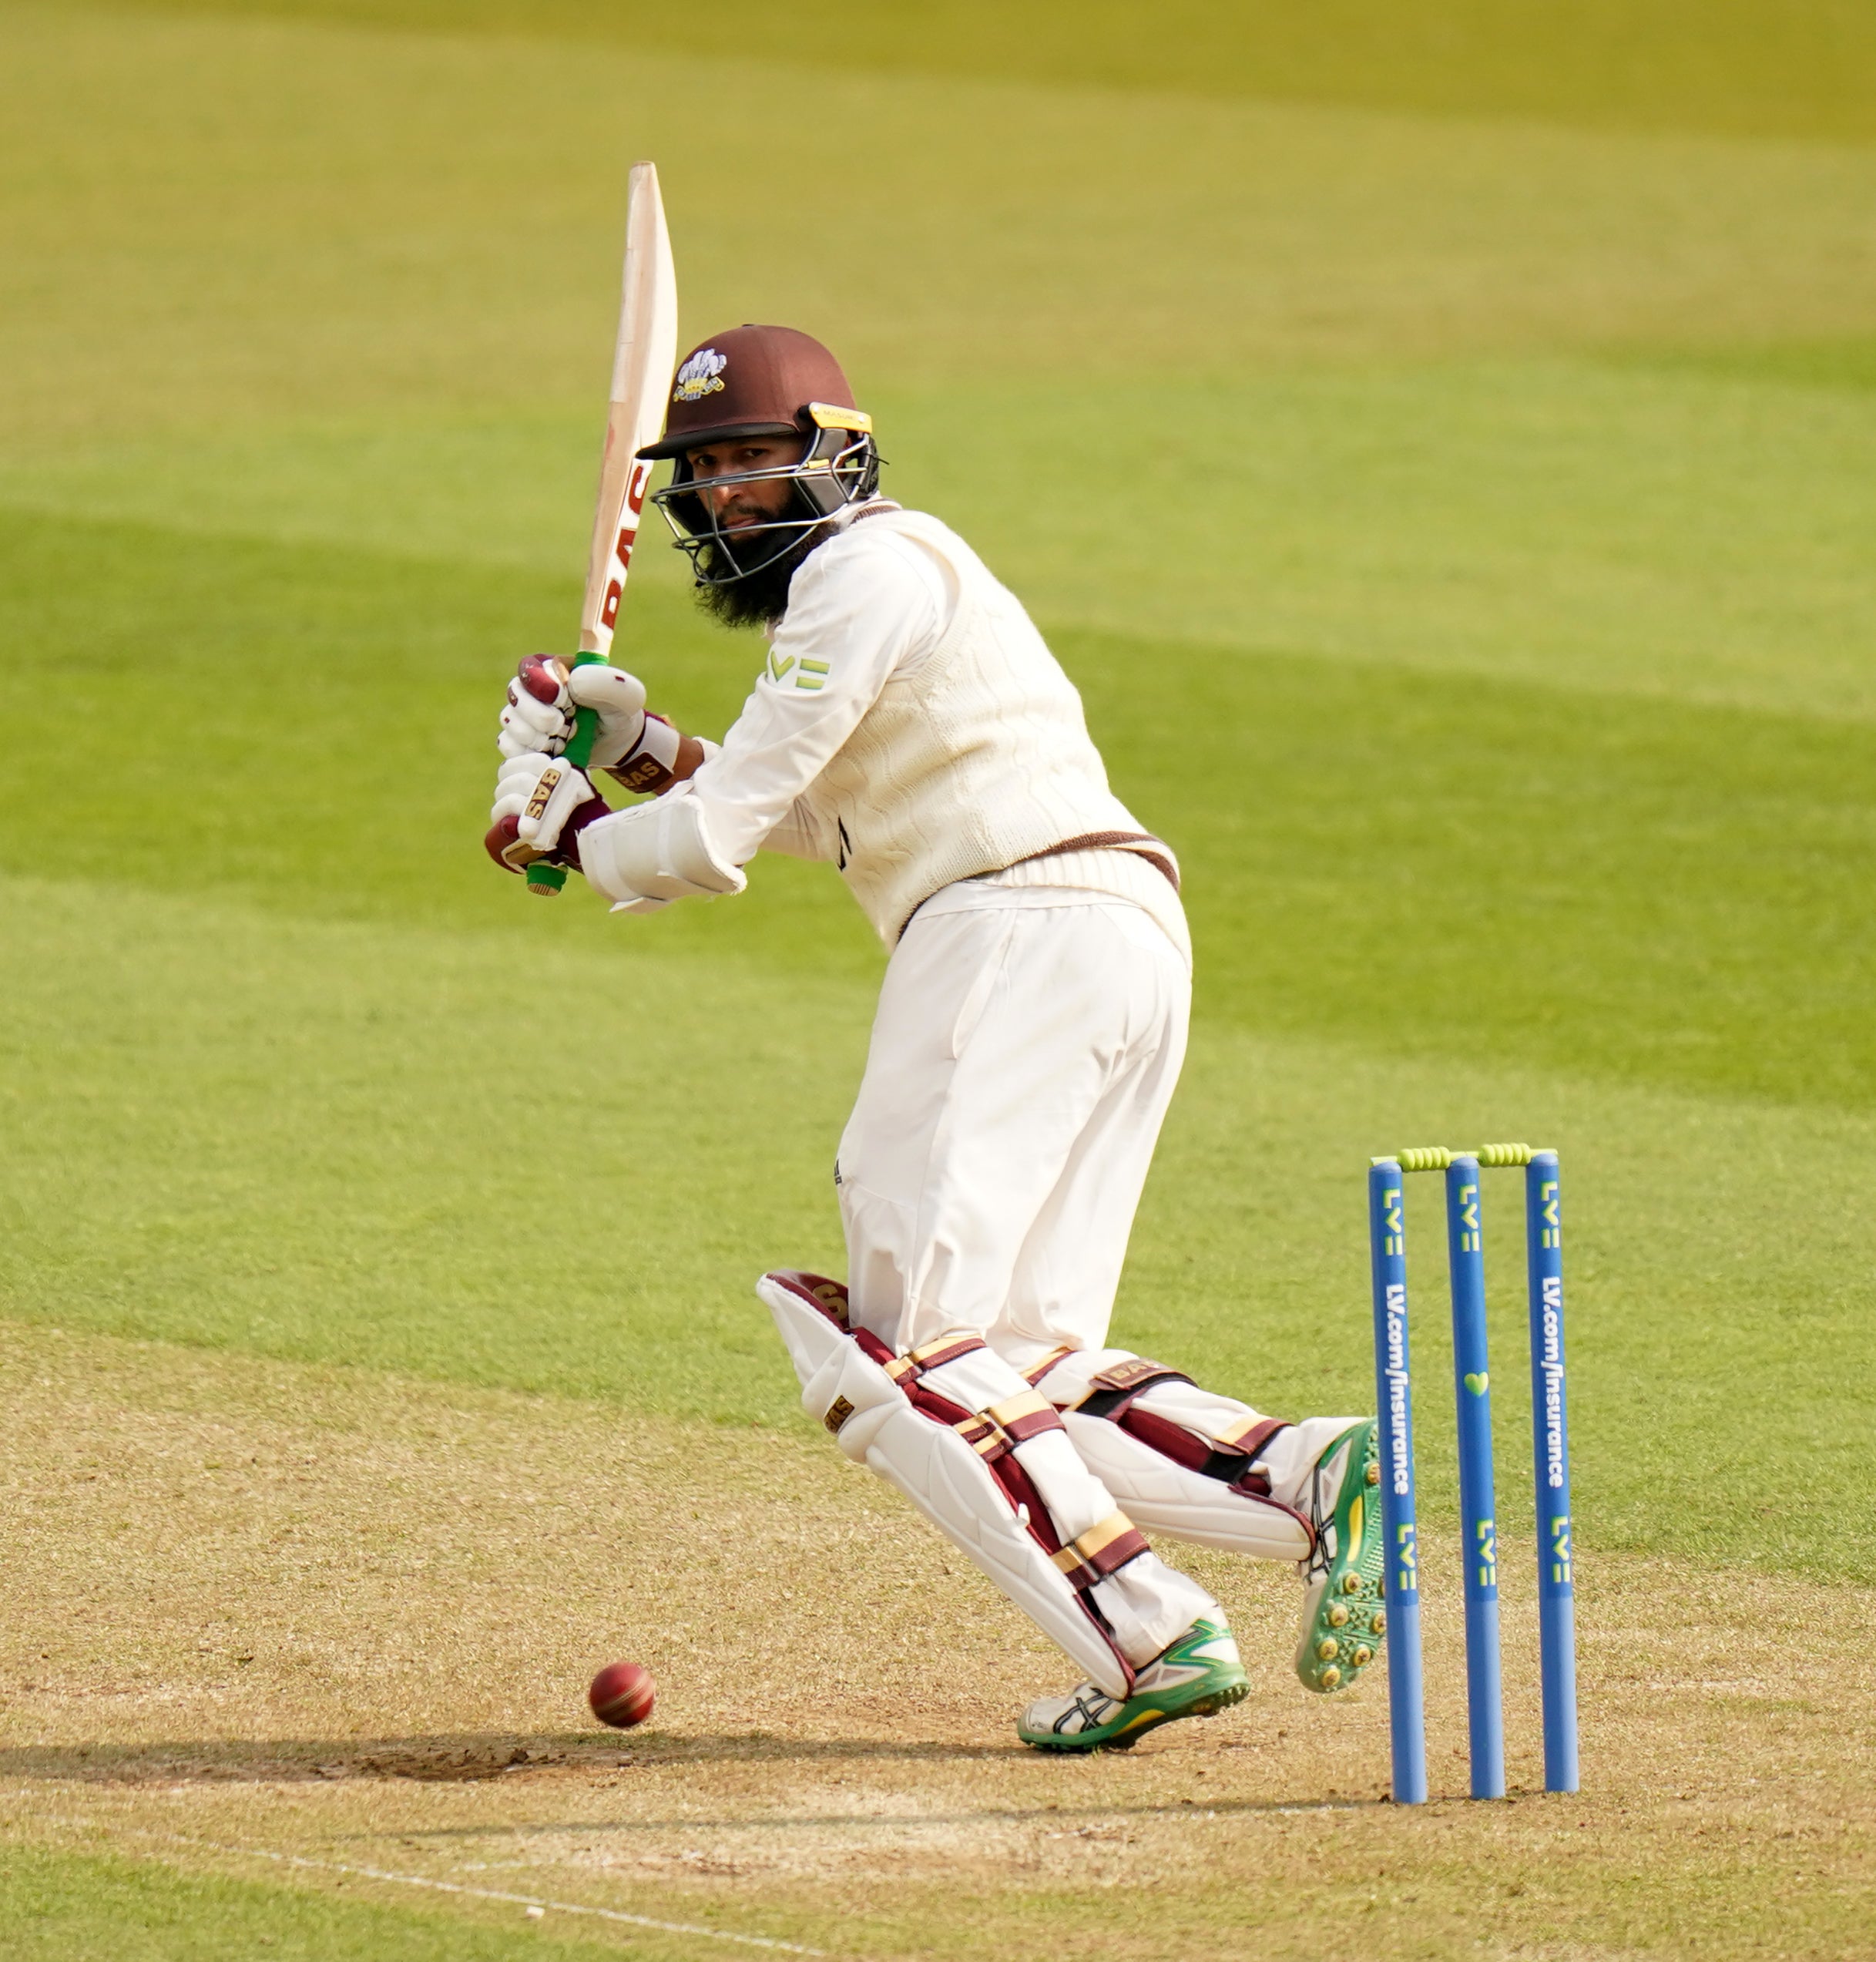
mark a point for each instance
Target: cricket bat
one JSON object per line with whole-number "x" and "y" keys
{"x": 644, "y": 357}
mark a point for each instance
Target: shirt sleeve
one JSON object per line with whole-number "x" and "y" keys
{"x": 857, "y": 609}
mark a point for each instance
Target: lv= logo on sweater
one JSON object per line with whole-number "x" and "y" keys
{"x": 807, "y": 674}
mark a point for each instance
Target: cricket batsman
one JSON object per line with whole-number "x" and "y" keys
{"x": 910, "y": 724}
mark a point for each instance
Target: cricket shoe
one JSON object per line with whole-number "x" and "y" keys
{"x": 1344, "y": 1620}
{"x": 1197, "y": 1675}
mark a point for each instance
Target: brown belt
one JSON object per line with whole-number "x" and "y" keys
{"x": 1132, "y": 841}
{"x": 1162, "y": 861}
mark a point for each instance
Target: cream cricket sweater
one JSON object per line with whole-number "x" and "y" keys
{"x": 912, "y": 725}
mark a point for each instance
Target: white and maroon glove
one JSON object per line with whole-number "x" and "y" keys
{"x": 537, "y": 718}
{"x": 542, "y": 806}
{"x": 639, "y": 750}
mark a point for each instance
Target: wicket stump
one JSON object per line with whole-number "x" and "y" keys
{"x": 1472, "y": 1391}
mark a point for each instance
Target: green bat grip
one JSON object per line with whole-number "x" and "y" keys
{"x": 543, "y": 880}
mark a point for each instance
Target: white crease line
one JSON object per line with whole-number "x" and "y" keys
{"x": 453, "y": 1887}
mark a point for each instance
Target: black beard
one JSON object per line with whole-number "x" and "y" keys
{"x": 760, "y": 598}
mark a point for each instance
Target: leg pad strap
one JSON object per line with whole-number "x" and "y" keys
{"x": 948, "y": 1347}
{"x": 1003, "y": 1426}
{"x": 1111, "y": 1392}
{"x": 1103, "y": 1550}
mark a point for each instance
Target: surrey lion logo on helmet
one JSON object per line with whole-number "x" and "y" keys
{"x": 701, "y": 375}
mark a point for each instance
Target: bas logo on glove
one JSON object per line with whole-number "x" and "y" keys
{"x": 541, "y": 805}
{"x": 544, "y": 789}
{"x": 650, "y": 766}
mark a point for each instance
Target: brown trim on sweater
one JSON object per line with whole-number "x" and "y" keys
{"x": 1133, "y": 841}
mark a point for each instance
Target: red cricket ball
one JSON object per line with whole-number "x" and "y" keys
{"x": 622, "y": 1694}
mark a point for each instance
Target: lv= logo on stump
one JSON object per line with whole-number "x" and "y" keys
{"x": 1472, "y": 1398}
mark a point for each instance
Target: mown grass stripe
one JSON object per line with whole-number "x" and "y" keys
{"x": 307, "y": 1862}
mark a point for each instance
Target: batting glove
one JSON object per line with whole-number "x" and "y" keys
{"x": 542, "y": 806}
{"x": 537, "y": 718}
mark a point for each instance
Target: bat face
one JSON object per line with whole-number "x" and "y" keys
{"x": 643, "y": 358}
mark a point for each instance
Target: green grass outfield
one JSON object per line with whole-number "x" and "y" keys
{"x": 1460, "y": 525}
{"x": 78, "y": 1907}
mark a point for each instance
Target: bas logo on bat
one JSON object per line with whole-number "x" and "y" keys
{"x": 623, "y": 544}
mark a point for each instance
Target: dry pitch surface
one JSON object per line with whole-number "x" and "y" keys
{"x": 325, "y": 1629}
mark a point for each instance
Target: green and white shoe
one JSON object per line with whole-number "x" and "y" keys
{"x": 1198, "y": 1675}
{"x": 1344, "y": 1620}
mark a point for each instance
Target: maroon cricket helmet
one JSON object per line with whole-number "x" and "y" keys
{"x": 762, "y": 382}
{"x": 751, "y": 381}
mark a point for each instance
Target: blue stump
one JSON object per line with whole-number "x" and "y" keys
{"x": 1556, "y": 1602}
{"x": 1478, "y": 1523}
{"x": 1394, "y": 1400}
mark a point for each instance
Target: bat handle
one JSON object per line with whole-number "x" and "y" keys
{"x": 544, "y": 881}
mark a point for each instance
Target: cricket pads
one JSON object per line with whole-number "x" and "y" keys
{"x": 1182, "y": 1460}
{"x": 845, "y": 1386}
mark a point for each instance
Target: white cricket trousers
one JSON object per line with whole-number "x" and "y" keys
{"x": 1027, "y": 1045}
